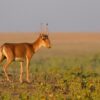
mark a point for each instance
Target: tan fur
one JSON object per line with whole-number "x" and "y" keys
{"x": 21, "y": 52}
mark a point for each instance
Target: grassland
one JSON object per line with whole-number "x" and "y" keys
{"x": 70, "y": 70}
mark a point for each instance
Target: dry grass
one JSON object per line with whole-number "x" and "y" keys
{"x": 61, "y": 42}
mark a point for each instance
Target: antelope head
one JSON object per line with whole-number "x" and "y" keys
{"x": 45, "y": 41}
{"x": 44, "y": 38}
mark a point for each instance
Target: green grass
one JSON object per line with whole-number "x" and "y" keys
{"x": 69, "y": 72}
{"x": 57, "y": 78}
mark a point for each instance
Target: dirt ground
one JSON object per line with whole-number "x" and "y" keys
{"x": 55, "y": 37}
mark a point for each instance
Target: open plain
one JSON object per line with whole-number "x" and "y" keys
{"x": 70, "y": 70}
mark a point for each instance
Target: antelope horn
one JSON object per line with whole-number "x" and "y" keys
{"x": 41, "y": 27}
{"x": 46, "y": 29}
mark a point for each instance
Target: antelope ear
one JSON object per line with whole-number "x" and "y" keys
{"x": 41, "y": 34}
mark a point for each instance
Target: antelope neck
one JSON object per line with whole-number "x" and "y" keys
{"x": 36, "y": 45}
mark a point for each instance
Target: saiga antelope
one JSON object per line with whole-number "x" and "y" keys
{"x": 22, "y": 52}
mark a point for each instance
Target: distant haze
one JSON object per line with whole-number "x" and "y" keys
{"x": 62, "y": 15}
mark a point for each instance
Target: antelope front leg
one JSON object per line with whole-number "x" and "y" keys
{"x": 27, "y": 71}
{"x": 21, "y": 72}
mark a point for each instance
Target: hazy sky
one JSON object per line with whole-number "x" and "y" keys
{"x": 62, "y": 15}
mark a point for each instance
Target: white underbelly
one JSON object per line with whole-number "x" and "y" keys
{"x": 19, "y": 59}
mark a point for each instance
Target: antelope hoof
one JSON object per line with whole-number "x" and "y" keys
{"x": 9, "y": 80}
{"x": 28, "y": 81}
{"x": 21, "y": 81}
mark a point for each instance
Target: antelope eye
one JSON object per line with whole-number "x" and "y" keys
{"x": 44, "y": 38}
